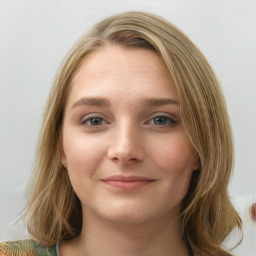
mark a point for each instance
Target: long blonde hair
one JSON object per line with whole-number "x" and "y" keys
{"x": 53, "y": 211}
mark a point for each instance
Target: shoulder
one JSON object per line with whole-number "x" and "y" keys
{"x": 25, "y": 248}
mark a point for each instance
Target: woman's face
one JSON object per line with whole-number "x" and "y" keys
{"x": 124, "y": 146}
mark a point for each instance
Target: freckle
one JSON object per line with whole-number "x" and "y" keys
{"x": 253, "y": 212}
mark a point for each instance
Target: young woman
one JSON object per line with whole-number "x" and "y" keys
{"x": 135, "y": 152}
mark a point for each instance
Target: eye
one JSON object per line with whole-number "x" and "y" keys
{"x": 93, "y": 121}
{"x": 163, "y": 121}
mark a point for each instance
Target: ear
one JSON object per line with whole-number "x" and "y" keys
{"x": 63, "y": 158}
{"x": 62, "y": 153}
{"x": 195, "y": 162}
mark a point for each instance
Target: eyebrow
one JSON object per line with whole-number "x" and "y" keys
{"x": 98, "y": 101}
{"x": 103, "y": 102}
{"x": 154, "y": 102}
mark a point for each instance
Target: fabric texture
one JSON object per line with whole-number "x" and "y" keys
{"x": 26, "y": 248}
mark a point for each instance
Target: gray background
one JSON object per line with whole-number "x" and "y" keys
{"x": 35, "y": 36}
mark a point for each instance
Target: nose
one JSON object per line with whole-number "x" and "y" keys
{"x": 126, "y": 144}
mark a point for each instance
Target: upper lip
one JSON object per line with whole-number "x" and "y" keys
{"x": 127, "y": 178}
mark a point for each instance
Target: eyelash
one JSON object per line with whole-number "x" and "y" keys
{"x": 88, "y": 118}
{"x": 171, "y": 121}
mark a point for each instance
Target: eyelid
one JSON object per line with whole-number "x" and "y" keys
{"x": 91, "y": 115}
{"x": 173, "y": 119}
{"x": 164, "y": 114}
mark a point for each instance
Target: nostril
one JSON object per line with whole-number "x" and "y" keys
{"x": 125, "y": 160}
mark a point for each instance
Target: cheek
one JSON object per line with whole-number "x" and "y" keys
{"x": 83, "y": 156}
{"x": 81, "y": 152}
{"x": 175, "y": 156}
{"x": 172, "y": 159}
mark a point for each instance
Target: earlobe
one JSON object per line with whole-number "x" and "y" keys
{"x": 195, "y": 162}
{"x": 64, "y": 159}
{"x": 62, "y": 153}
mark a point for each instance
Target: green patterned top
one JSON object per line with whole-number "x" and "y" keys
{"x": 26, "y": 248}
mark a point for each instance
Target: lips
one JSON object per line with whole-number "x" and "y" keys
{"x": 127, "y": 182}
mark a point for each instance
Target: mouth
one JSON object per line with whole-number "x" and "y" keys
{"x": 127, "y": 182}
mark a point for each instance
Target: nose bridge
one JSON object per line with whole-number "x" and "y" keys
{"x": 125, "y": 143}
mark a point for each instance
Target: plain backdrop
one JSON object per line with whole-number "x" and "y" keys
{"x": 34, "y": 37}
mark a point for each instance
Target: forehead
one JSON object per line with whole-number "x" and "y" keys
{"x": 115, "y": 68}
{"x": 111, "y": 57}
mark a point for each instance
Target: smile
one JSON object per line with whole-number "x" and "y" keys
{"x": 127, "y": 182}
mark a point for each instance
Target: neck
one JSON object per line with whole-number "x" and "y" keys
{"x": 113, "y": 239}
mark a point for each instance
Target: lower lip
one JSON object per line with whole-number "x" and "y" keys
{"x": 128, "y": 185}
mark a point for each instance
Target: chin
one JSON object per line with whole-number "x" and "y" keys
{"x": 130, "y": 213}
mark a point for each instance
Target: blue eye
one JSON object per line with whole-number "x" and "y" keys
{"x": 93, "y": 121}
{"x": 162, "y": 120}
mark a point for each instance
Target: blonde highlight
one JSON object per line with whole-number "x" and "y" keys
{"x": 208, "y": 216}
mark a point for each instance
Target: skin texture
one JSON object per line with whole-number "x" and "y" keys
{"x": 122, "y": 117}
